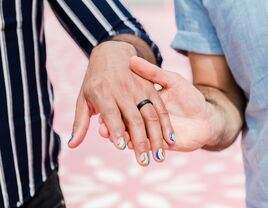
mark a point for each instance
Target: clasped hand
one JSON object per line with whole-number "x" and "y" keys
{"x": 178, "y": 120}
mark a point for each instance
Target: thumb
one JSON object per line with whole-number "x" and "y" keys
{"x": 152, "y": 72}
{"x": 81, "y": 123}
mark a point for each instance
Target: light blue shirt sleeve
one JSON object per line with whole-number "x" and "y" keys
{"x": 195, "y": 30}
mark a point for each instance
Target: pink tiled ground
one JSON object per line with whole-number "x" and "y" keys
{"x": 96, "y": 175}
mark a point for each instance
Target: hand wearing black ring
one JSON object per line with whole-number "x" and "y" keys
{"x": 143, "y": 103}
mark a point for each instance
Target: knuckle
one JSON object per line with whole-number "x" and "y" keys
{"x": 152, "y": 117}
{"x": 136, "y": 121}
{"x": 126, "y": 86}
{"x": 159, "y": 105}
{"x": 141, "y": 144}
{"x": 110, "y": 112}
{"x": 95, "y": 82}
{"x": 162, "y": 111}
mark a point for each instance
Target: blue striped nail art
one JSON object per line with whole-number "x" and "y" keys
{"x": 160, "y": 154}
{"x": 70, "y": 139}
{"x": 172, "y": 137}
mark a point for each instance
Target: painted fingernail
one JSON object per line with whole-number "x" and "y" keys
{"x": 172, "y": 137}
{"x": 121, "y": 143}
{"x": 160, "y": 154}
{"x": 145, "y": 158}
{"x": 71, "y": 139}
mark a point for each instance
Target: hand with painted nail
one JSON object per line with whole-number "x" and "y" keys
{"x": 112, "y": 90}
{"x": 189, "y": 112}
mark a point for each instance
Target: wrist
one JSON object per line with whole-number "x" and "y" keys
{"x": 138, "y": 49}
{"x": 115, "y": 48}
{"x": 143, "y": 50}
{"x": 225, "y": 128}
{"x": 217, "y": 122}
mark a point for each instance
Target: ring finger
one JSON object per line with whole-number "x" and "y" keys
{"x": 153, "y": 129}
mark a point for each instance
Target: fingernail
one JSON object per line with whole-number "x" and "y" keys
{"x": 121, "y": 143}
{"x": 71, "y": 139}
{"x": 145, "y": 158}
{"x": 172, "y": 137}
{"x": 160, "y": 154}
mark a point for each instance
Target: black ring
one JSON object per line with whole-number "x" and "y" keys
{"x": 143, "y": 103}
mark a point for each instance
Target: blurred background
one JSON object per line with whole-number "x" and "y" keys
{"x": 96, "y": 175}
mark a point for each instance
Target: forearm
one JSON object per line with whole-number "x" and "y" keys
{"x": 226, "y": 116}
{"x": 212, "y": 76}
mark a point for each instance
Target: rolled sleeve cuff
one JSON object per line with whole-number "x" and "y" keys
{"x": 185, "y": 42}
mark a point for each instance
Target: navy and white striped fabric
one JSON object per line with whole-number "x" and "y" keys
{"x": 29, "y": 147}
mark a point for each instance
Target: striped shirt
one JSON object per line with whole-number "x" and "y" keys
{"x": 29, "y": 147}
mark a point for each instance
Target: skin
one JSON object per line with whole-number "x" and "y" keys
{"x": 207, "y": 114}
{"x": 112, "y": 90}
